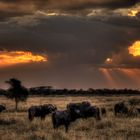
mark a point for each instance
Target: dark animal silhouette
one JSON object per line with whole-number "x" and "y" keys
{"x": 120, "y": 108}
{"x": 91, "y": 111}
{"x": 40, "y": 111}
{"x": 85, "y": 109}
{"x": 64, "y": 117}
{"x": 78, "y": 106}
{"x": 2, "y": 108}
{"x": 61, "y": 118}
{"x": 103, "y": 111}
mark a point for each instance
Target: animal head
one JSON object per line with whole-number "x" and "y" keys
{"x": 49, "y": 107}
{"x": 52, "y": 108}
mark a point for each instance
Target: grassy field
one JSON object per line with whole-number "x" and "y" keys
{"x": 16, "y": 126}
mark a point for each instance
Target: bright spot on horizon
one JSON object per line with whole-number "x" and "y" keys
{"x": 135, "y": 49}
{"x": 9, "y": 58}
{"x": 132, "y": 13}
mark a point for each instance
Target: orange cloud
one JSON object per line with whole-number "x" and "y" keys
{"x": 133, "y": 13}
{"x": 8, "y": 58}
{"x": 135, "y": 49}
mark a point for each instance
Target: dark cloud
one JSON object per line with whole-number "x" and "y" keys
{"x": 82, "y": 4}
{"x": 124, "y": 21}
{"x": 11, "y": 8}
{"x": 75, "y": 4}
{"x": 76, "y": 48}
{"x": 70, "y": 40}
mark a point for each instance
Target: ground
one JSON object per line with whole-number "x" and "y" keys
{"x": 16, "y": 126}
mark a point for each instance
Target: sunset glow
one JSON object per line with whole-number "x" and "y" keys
{"x": 132, "y": 13}
{"x": 48, "y": 13}
{"x": 131, "y": 74}
{"x": 113, "y": 76}
{"x": 18, "y": 57}
{"x": 135, "y": 49}
{"x": 71, "y": 44}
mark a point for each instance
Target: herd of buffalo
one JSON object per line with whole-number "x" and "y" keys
{"x": 72, "y": 112}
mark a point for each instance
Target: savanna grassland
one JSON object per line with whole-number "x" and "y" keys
{"x": 16, "y": 126}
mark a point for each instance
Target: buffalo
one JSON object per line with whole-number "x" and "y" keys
{"x": 85, "y": 109}
{"x": 120, "y": 108}
{"x": 78, "y": 106}
{"x": 64, "y": 117}
{"x": 61, "y": 118}
{"x": 81, "y": 105}
{"x": 91, "y": 111}
{"x": 40, "y": 111}
{"x": 2, "y": 108}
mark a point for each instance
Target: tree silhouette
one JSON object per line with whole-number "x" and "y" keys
{"x": 16, "y": 91}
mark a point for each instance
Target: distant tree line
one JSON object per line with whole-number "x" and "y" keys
{"x": 19, "y": 93}
{"x": 47, "y": 90}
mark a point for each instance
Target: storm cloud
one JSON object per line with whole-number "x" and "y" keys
{"x": 71, "y": 39}
{"x": 12, "y": 8}
{"x": 77, "y": 46}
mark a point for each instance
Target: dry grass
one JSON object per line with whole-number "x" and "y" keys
{"x": 16, "y": 126}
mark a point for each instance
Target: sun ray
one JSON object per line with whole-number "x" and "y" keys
{"x": 132, "y": 74}
{"x": 109, "y": 78}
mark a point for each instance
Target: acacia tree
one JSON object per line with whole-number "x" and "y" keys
{"x": 16, "y": 91}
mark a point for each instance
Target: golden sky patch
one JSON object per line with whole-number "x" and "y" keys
{"x": 132, "y": 13}
{"x": 8, "y": 58}
{"x": 135, "y": 49}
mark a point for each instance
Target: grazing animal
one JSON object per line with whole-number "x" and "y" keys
{"x": 2, "y": 108}
{"x": 120, "y": 108}
{"x": 40, "y": 111}
{"x": 91, "y": 111}
{"x": 64, "y": 117}
{"x": 48, "y": 108}
{"x": 78, "y": 106}
{"x": 85, "y": 109}
{"x": 61, "y": 118}
{"x": 103, "y": 111}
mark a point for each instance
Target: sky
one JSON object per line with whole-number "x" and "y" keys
{"x": 70, "y": 43}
